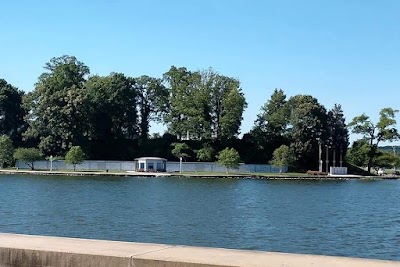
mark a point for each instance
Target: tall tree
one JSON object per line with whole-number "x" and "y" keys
{"x": 183, "y": 115}
{"x": 152, "y": 102}
{"x": 57, "y": 106}
{"x": 112, "y": 115}
{"x": 270, "y": 126}
{"x": 374, "y": 133}
{"x": 11, "y": 112}
{"x": 338, "y": 132}
{"x": 227, "y": 104}
{"x": 6, "y": 150}
{"x": 204, "y": 104}
{"x": 307, "y": 125}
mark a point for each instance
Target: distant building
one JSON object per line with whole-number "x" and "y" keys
{"x": 151, "y": 164}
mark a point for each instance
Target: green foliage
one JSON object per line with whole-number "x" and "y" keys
{"x": 181, "y": 150}
{"x": 358, "y": 153}
{"x": 152, "y": 102}
{"x": 28, "y": 155}
{"x": 383, "y": 130}
{"x": 203, "y": 104}
{"x": 111, "y": 116}
{"x": 386, "y": 160}
{"x": 75, "y": 156}
{"x": 229, "y": 158}
{"x": 11, "y": 112}
{"x": 281, "y": 157}
{"x": 6, "y": 150}
{"x": 206, "y": 153}
{"x": 58, "y": 106}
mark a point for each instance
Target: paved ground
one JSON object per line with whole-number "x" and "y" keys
{"x": 168, "y": 255}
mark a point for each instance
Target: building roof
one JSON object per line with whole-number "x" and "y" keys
{"x": 150, "y": 158}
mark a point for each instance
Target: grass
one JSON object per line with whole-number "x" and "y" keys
{"x": 260, "y": 174}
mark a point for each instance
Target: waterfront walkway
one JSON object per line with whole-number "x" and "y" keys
{"x": 24, "y": 250}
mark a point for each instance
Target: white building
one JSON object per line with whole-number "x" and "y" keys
{"x": 151, "y": 164}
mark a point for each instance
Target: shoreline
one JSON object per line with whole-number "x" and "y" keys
{"x": 199, "y": 175}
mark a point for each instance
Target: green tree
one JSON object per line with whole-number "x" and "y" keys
{"x": 229, "y": 158}
{"x": 57, "y": 106}
{"x": 6, "y": 150}
{"x": 152, "y": 102}
{"x": 337, "y": 131}
{"x": 206, "y": 153}
{"x": 181, "y": 150}
{"x": 75, "y": 156}
{"x": 111, "y": 116}
{"x": 358, "y": 153}
{"x": 203, "y": 104}
{"x": 383, "y": 130}
{"x": 281, "y": 157}
{"x": 28, "y": 155}
{"x": 307, "y": 124}
{"x": 269, "y": 130}
{"x": 182, "y": 116}
{"x": 11, "y": 112}
{"x": 386, "y": 160}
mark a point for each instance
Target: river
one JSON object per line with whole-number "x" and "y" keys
{"x": 341, "y": 218}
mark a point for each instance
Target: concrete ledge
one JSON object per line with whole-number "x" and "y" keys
{"x": 34, "y": 251}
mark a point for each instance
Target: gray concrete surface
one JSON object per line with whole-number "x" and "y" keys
{"x": 35, "y": 251}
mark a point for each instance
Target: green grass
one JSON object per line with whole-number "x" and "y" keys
{"x": 243, "y": 174}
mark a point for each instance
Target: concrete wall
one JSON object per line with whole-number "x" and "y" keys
{"x": 38, "y": 251}
{"x": 87, "y": 165}
{"x": 172, "y": 167}
{"x": 214, "y": 167}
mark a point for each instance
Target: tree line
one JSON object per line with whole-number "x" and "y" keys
{"x": 109, "y": 117}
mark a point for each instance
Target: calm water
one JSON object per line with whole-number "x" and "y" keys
{"x": 346, "y": 218}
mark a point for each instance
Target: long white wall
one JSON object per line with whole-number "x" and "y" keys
{"x": 102, "y": 165}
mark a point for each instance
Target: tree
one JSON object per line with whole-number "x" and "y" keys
{"x": 58, "y": 106}
{"x": 206, "y": 153}
{"x": 307, "y": 124}
{"x": 229, "y": 158}
{"x": 28, "y": 155}
{"x": 11, "y": 112}
{"x": 152, "y": 102}
{"x": 337, "y": 131}
{"x": 182, "y": 117}
{"x": 386, "y": 160}
{"x": 181, "y": 150}
{"x": 203, "y": 104}
{"x": 6, "y": 150}
{"x": 281, "y": 157}
{"x": 358, "y": 153}
{"x": 75, "y": 156}
{"x": 383, "y": 130}
{"x": 111, "y": 116}
{"x": 270, "y": 126}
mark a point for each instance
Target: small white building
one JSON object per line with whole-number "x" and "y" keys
{"x": 151, "y": 164}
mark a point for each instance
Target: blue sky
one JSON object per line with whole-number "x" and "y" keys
{"x": 344, "y": 52}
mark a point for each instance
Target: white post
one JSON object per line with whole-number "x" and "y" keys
{"x": 51, "y": 163}
{"x": 319, "y": 156}
{"x": 334, "y": 156}
{"x": 180, "y": 165}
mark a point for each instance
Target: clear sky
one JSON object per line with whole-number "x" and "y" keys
{"x": 341, "y": 51}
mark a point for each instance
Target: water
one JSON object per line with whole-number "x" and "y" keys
{"x": 343, "y": 218}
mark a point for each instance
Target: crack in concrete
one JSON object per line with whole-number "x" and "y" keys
{"x": 148, "y": 252}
